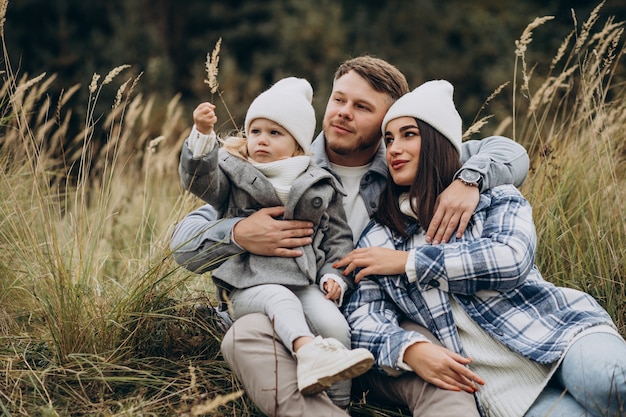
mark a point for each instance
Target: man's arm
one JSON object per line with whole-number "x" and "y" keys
{"x": 201, "y": 241}
{"x": 499, "y": 161}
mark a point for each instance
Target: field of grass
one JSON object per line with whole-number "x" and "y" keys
{"x": 97, "y": 319}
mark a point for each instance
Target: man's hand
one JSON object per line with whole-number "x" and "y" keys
{"x": 442, "y": 367}
{"x": 262, "y": 234}
{"x": 373, "y": 261}
{"x": 204, "y": 117}
{"x": 453, "y": 209}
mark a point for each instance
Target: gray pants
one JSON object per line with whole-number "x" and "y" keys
{"x": 267, "y": 371}
{"x": 297, "y": 311}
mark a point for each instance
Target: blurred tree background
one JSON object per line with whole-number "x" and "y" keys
{"x": 469, "y": 43}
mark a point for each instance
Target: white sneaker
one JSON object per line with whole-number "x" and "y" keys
{"x": 323, "y": 362}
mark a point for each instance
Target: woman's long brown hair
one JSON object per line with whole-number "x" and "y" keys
{"x": 438, "y": 162}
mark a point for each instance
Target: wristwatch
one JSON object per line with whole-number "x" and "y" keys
{"x": 470, "y": 177}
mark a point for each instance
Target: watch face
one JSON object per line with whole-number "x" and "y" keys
{"x": 470, "y": 176}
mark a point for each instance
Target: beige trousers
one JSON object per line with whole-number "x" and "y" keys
{"x": 267, "y": 371}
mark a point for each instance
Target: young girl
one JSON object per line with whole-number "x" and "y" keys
{"x": 535, "y": 349}
{"x": 268, "y": 168}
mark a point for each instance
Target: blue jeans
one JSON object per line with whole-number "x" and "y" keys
{"x": 591, "y": 380}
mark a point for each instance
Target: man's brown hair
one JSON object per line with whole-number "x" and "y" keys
{"x": 380, "y": 74}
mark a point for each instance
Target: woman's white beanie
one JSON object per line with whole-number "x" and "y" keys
{"x": 288, "y": 103}
{"x": 431, "y": 102}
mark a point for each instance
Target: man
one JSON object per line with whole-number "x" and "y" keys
{"x": 350, "y": 147}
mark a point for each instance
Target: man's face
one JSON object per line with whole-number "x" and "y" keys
{"x": 352, "y": 121}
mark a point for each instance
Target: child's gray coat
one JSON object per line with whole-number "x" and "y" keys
{"x": 236, "y": 189}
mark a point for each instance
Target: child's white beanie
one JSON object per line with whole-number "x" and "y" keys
{"x": 431, "y": 102}
{"x": 288, "y": 103}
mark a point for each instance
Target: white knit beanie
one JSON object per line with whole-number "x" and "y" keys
{"x": 432, "y": 103}
{"x": 288, "y": 103}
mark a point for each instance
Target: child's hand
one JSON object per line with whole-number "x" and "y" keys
{"x": 204, "y": 117}
{"x": 333, "y": 289}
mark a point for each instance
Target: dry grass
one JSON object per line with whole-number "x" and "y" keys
{"x": 96, "y": 318}
{"x": 572, "y": 120}
{"x": 573, "y": 124}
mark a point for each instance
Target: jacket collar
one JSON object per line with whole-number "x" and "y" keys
{"x": 320, "y": 157}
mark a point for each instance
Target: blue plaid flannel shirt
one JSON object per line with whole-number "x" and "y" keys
{"x": 490, "y": 272}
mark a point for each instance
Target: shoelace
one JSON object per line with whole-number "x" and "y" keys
{"x": 327, "y": 345}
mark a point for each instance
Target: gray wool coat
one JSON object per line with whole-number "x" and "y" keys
{"x": 236, "y": 189}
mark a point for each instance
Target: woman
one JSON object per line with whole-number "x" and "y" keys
{"x": 522, "y": 345}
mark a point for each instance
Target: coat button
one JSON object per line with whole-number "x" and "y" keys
{"x": 221, "y": 235}
{"x": 316, "y": 202}
{"x": 433, "y": 283}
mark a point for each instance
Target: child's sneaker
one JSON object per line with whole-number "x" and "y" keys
{"x": 326, "y": 361}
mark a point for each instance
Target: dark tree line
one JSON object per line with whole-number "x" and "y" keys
{"x": 469, "y": 43}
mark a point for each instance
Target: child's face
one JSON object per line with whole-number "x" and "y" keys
{"x": 269, "y": 141}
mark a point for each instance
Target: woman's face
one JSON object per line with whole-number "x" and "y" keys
{"x": 269, "y": 141}
{"x": 404, "y": 143}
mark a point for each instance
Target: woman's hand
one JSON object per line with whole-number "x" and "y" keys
{"x": 373, "y": 261}
{"x": 441, "y": 367}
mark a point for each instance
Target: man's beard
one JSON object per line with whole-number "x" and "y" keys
{"x": 343, "y": 147}
{"x": 347, "y": 149}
